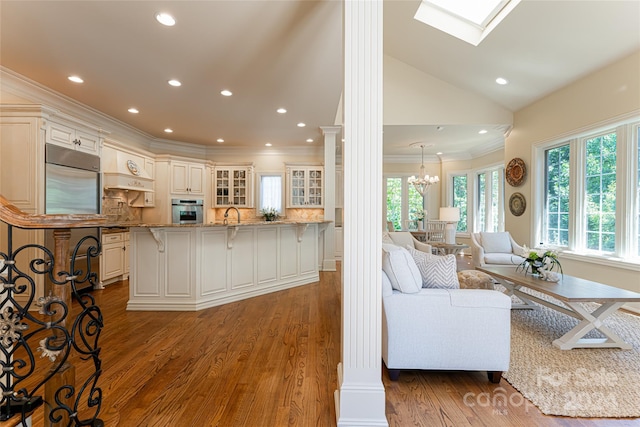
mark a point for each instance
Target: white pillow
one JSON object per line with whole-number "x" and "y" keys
{"x": 438, "y": 272}
{"x": 401, "y": 269}
{"x": 498, "y": 242}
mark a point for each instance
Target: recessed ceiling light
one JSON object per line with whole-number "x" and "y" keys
{"x": 268, "y": 144}
{"x": 301, "y": 125}
{"x": 483, "y": 131}
{"x": 75, "y": 79}
{"x": 165, "y": 19}
{"x": 281, "y": 110}
{"x": 220, "y": 140}
{"x": 168, "y": 130}
{"x": 309, "y": 140}
{"x": 133, "y": 110}
{"x": 502, "y": 81}
{"x": 439, "y": 153}
{"x": 226, "y": 93}
{"x": 174, "y": 82}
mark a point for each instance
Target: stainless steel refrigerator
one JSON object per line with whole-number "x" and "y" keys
{"x": 72, "y": 186}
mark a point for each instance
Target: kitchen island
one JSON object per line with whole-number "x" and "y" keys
{"x": 195, "y": 266}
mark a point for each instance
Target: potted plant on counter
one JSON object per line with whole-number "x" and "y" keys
{"x": 269, "y": 214}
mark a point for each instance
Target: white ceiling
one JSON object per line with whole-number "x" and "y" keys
{"x": 289, "y": 54}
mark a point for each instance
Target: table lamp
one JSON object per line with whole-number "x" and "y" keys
{"x": 451, "y": 216}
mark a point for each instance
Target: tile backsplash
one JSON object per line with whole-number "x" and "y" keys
{"x": 117, "y": 209}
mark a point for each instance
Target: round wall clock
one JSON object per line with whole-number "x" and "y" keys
{"x": 517, "y": 204}
{"x": 516, "y": 172}
{"x": 133, "y": 167}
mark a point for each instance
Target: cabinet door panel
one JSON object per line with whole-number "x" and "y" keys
{"x": 179, "y": 178}
{"x": 19, "y": 173}
{"x": 112, "y": 261}
{"x": 87, "y": 142}
{"x": 267, "y": 255}
{"x": 196, "y": 179}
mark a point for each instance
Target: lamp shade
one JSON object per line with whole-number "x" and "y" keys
{"x": 450, "y": 214}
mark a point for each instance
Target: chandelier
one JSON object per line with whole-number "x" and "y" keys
{"x": 423, "y": 181}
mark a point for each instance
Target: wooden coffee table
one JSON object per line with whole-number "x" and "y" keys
{"x": 572, "y": 291}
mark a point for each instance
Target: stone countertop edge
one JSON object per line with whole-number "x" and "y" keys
{"x": 242, "y": 224}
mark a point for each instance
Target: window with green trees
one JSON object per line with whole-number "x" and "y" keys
{"x": 600, "y": 189}
{"x": 556, "y": 209}
{"x": 394, "y": 202}
{"x": 460, "y": 197}
{"x": 585, "y": 177}
{"x": 404, "y": 203}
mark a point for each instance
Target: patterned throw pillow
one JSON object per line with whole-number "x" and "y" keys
{"x": 436, "y": 271}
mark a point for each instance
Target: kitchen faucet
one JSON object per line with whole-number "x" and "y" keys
{"x": 226, "y": 215}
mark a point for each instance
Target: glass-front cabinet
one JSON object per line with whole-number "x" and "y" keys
{"x": 232, "y": 186}
{"x": 305, "y": 186}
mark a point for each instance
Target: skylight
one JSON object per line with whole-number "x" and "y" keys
{"x": 468, "y": 20}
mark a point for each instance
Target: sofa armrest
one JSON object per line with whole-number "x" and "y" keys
{"x": 450, "y": 329}
{"x": 424, "y": 247}
{"x": 477, "y": 252}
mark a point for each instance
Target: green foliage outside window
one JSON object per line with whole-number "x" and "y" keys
{"x": 460, "y": 200}
{"x": 557, "y": 196}
{"x": 600, "y": 189}
{"x": 394, "y": 202}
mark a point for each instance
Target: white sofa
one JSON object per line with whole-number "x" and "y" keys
{"x": 445, "y": 329}
{"x": 495, "y": 249}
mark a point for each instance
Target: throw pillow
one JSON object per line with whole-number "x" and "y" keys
{"x": 401, "y": 269}
{"x": 496, "y": 242}
{"x": 436, "y": 271}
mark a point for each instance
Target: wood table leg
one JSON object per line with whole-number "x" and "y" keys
{"x": 591, "y": 321}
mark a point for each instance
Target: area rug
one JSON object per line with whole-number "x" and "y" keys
{"x": 579, "y": 382}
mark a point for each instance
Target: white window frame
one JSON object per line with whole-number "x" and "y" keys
{"x": 626, "y": 129}
{"x": 404, "y": 195}
{"x": 487, "y": 171}
{"x": 470, "y": 199}
{"x": 258, "y": 185}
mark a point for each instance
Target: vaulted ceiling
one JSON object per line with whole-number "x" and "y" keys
{"x": 288, "y": 54}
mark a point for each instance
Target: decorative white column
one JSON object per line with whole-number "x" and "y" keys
{"x": 360, "y": 398}
{"x": 329, "y": 258}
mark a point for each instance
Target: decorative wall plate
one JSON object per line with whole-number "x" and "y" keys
{"x": 517, "y": 204}
{"x": 133, "y": 167}
{"x": 516, "y": 172}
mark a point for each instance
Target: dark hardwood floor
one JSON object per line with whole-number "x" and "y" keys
{"x": 270, "y": 361}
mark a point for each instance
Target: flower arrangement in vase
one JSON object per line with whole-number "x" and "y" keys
{"x": 269, "y": 214}
{"x": 540, "y": 262}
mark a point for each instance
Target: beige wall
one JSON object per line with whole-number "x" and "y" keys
{"x": 604, "y": 95}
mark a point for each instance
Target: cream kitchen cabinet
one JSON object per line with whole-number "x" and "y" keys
{"x": 114, "y": 259}
{"x": 232, "y": 186}
{"x": 72, "y": 136}
{"x": 149, "y": 198}
{"x": 187, "y": 178}
{"x": 305, "y": 186}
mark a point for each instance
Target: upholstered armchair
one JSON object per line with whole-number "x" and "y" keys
{"x": 404, "y": 238}
{"x": 496, "y": 249}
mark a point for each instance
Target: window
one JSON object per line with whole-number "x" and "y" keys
{"x": 637, "y": 193}
{"x": 394, "y": 202}
{"x": 481, "y": 208}
{"x": 403, "y": 202}
{"x": 270, "y": 192}
{"x": 600, "y": 186}
{"x": 490, "y": 200}
{"x": 556, "y": 217}
{"x": 589, "y": 201}
{"x": 459, "y": 185}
